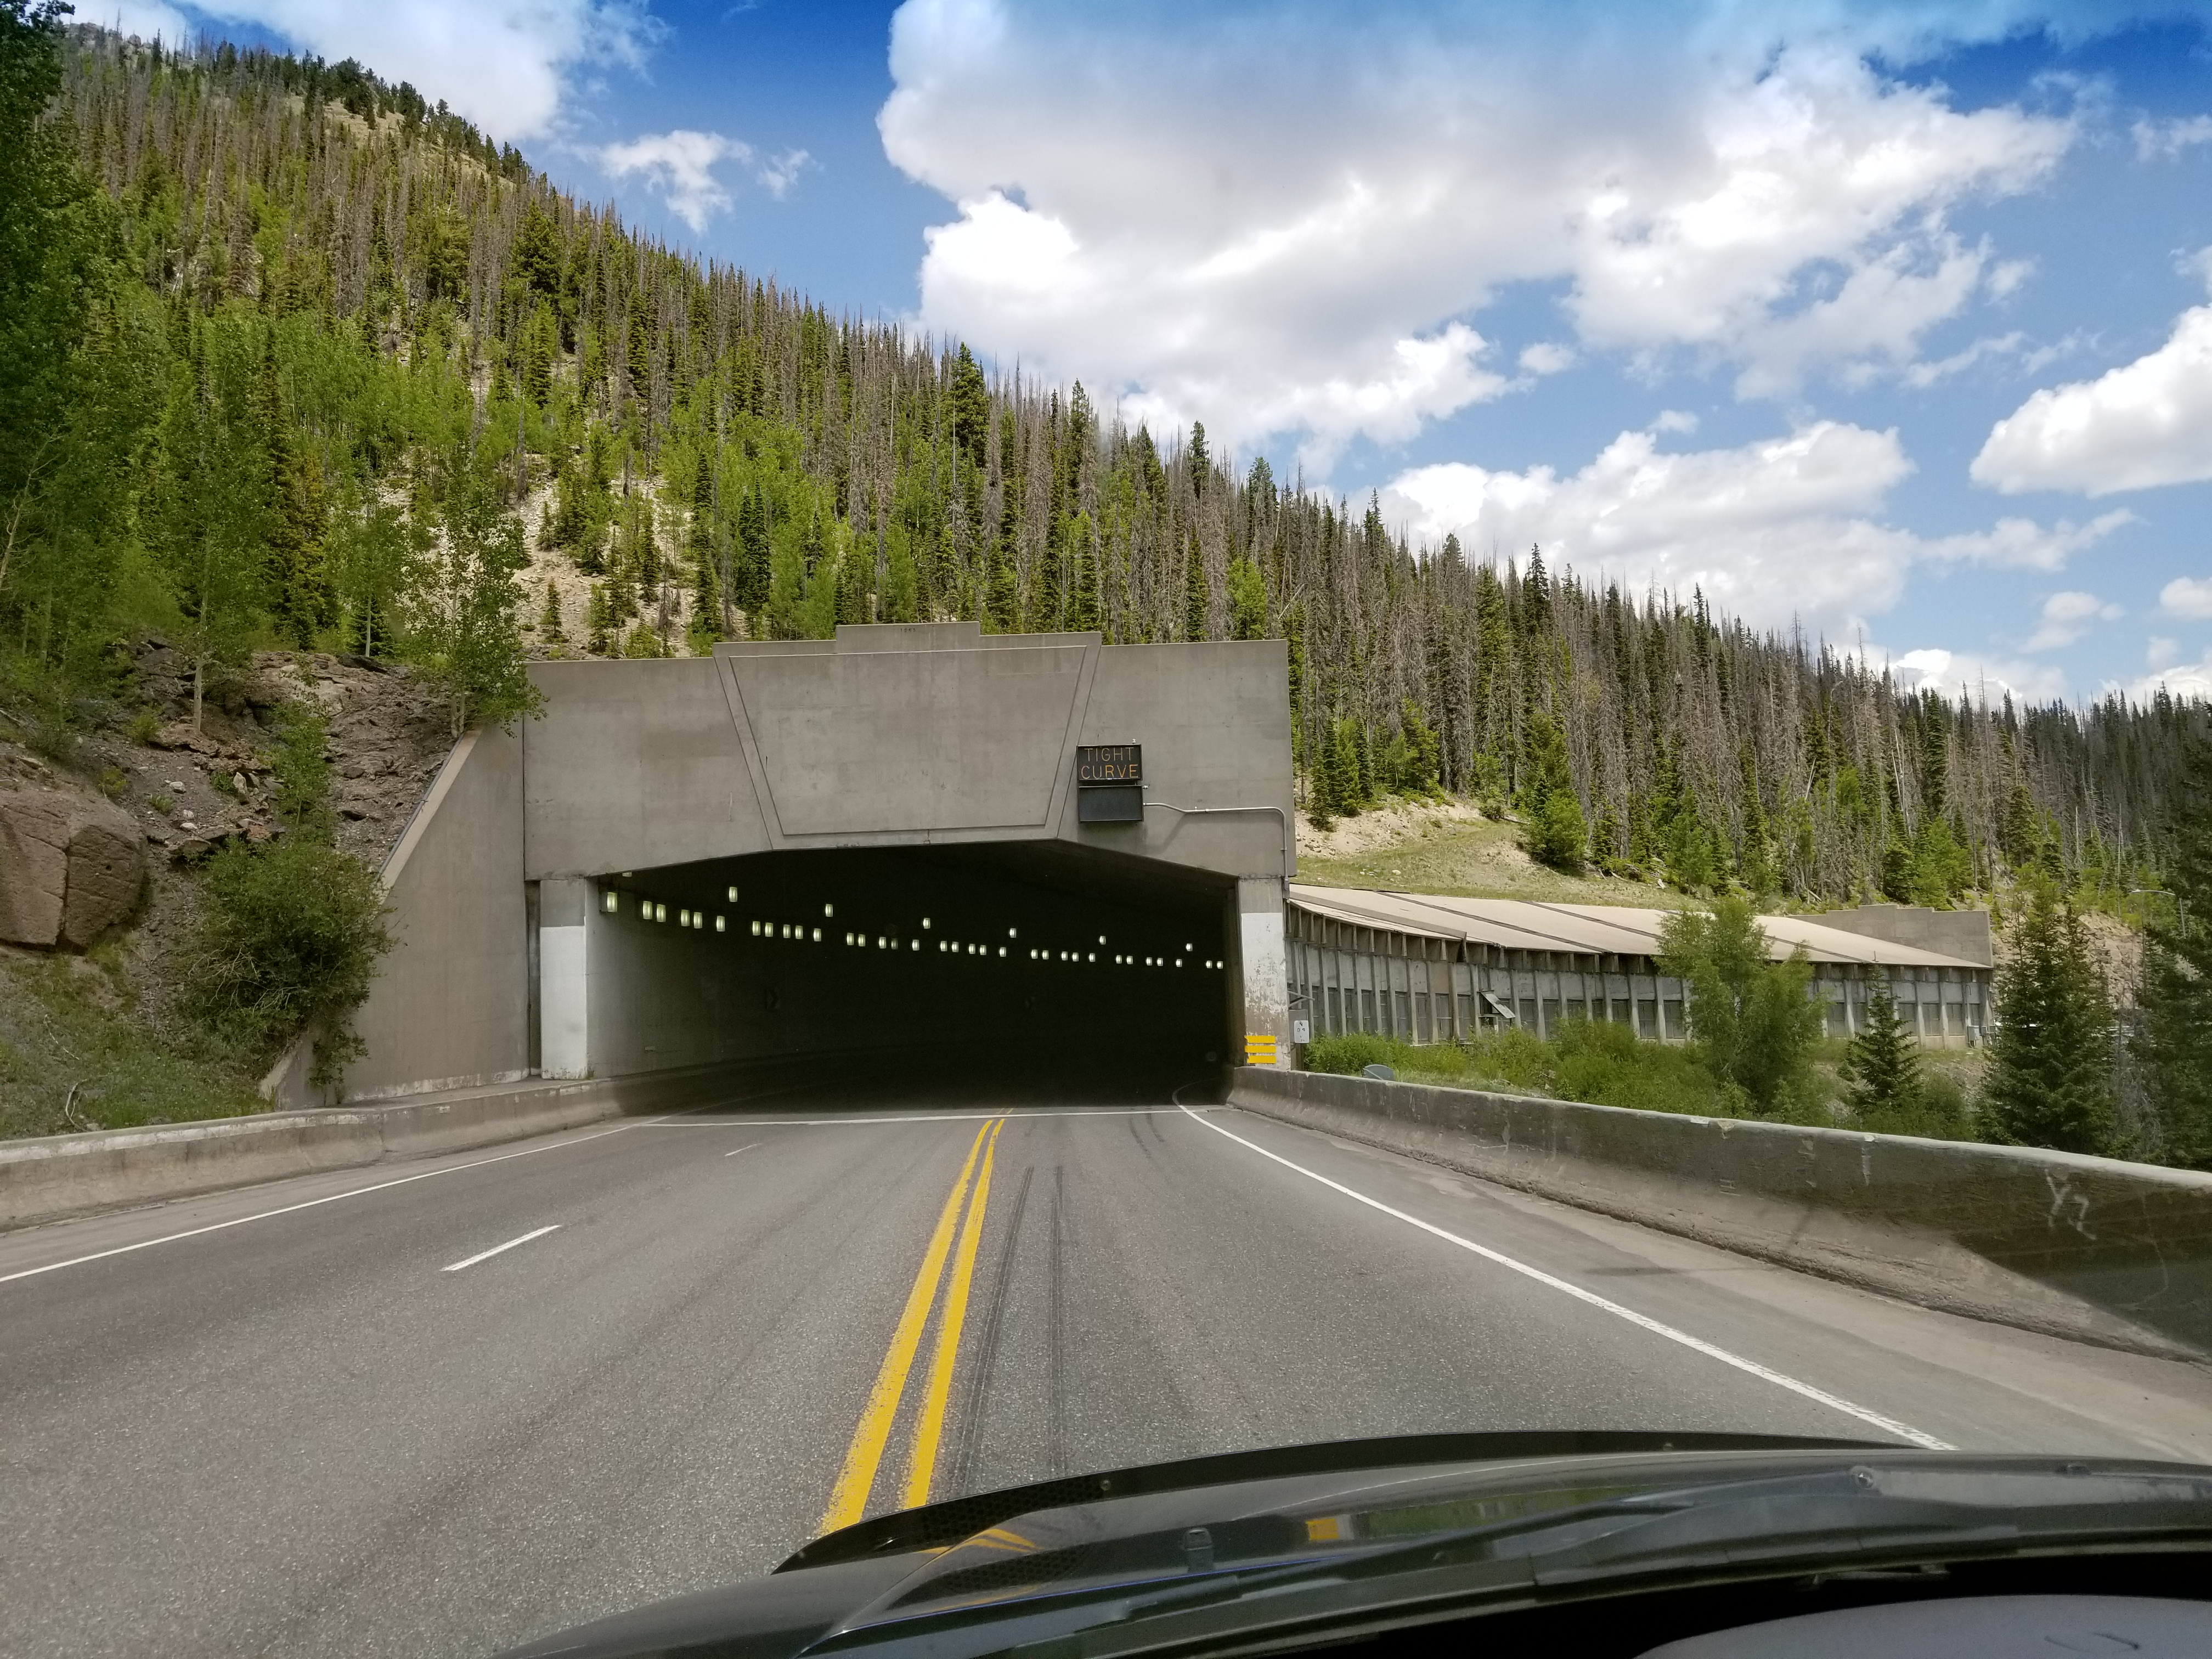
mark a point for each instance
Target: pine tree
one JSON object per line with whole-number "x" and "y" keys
{"x": 1557, "y": 834}
{"x": 1248, "y": 601}
{"x": 2050, "y": 1070}
{"x": 1881, "y": 1068}
{"x": 548, "y": 619}
{"x": 2176, "y": 997}
{"x": 602, "y": 621}
{"x": 1197, "y": 597}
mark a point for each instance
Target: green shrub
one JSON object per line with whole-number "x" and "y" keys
{"x": 1937, "y": 1109}
{"x": 288, "y": 935}
{"x": 1603, "y": 1064}
{"x": 1351, "y": 1052}
{"x": 1609, "y": 1065}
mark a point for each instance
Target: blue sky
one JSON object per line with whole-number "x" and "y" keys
{"x": 1890, "y": 319}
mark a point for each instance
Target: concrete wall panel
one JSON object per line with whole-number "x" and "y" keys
{"x": 449, "y": 1007}
{"x": 854, "y": 742}
{"x": 634, "y": 764}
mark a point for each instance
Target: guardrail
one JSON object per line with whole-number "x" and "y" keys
{"x": 49, "y": 1177}
{"x": 2090, "y": 1249}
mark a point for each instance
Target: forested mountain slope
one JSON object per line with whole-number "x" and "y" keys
{"x": 308, "y": 362}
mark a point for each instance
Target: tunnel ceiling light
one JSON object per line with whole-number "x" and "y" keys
{"x": 610, "y": 902}
{"x": 828, "y": 910}
{"x": 755, "y": 926}
{"x": 1101, "y": 938}
{"x": 733, "y": 892}
{"x": 1002, "y": 950}
{"x": 660, "y": 913}
{"x": 916, "y": 945}
{"x": 627, "y": 874}
{"x": 817, "y": 936}
{"x": 721, "y": 924}
{"x": 1093, "y": 957}
{"x": 1009, "y": 932}
{"x": 925, "y": 921}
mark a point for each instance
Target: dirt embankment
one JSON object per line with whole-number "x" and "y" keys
{"x": 94, "y": 1039}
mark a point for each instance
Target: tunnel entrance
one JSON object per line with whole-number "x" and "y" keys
{"x": 1023, "y": 969}
{"x": 1098, "y": 838}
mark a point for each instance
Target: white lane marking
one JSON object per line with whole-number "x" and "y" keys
{"x": 288, "y": 1209}
{"x": 1836, "y": 1402}
{"x": 747, "y": 1148}
{"x": 928, "y": 1117}
{"x": 486, "y": 1256}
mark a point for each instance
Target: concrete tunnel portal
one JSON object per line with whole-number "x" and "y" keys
{"x": 1033, "y": 860}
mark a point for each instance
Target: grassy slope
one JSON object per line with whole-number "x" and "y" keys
{"x": 1451, "y": 849}
{"x": 70, "y": 1021}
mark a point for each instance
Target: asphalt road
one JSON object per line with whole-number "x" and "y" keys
{"x": 326, "y": 1416}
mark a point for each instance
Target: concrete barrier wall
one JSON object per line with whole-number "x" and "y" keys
{"x": 2090, "y": 1249}
{"x": 450, "y": 1006}
{"x": 55, "y": 1175}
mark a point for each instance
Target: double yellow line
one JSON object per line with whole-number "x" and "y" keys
{"x": 857, "y": 1479}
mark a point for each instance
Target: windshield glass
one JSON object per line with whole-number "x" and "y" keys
{"x": 975, "y": 800}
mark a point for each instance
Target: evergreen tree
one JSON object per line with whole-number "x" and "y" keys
{"x": 548, "y": 619}
{"x": 1556, "y": 833}
{"x": 1881, "y": 1068}
{"x": 1248, "y": 601}
{"x": 601, "y": 623}
{"x": 2051, "y": 1060}
{"x": 1197, "y": 596}
{"x": 2176, "y": 997}
{"x": 1082, "y": 610}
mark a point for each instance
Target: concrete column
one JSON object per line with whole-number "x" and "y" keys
{"x": 564, "y": 918}
{"x": 1263, "y": 963}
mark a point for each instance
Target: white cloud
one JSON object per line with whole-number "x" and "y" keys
{"x": 2187, "y": 595}
{"x": 680, "y": 167}
{"x": 2163, "y": 141}
{"x": 2145, "y": 423}
{"x": 148, "y": 20}
{"x": 1955, "y": 673}
{"x": 1547, "y": 358}
{"x": 1292, "y": 221}
{"x": 776, "y": 174}
{"x": 505, "y": 64}
{"x": 1782, "y": 528}
{"x": 2066, "y": 618}
{"x": 2162, "y": 651}
{"x": 2178, "y": 679}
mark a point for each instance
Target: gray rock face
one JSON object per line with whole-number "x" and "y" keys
{"x": 72, "y": 867}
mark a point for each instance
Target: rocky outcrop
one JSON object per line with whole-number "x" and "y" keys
{"x": 72, "y": 867}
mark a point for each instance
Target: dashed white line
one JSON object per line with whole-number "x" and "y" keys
{"x": 747, "y": 1148}
{"x": 290, "y": 1209}
{"x": 486, "y": 1256}
{"x": 1835, "y": 1402}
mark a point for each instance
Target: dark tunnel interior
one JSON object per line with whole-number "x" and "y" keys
{"x": 974, "y": 973}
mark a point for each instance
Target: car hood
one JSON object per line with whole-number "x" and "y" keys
{"x": 1311, "y": 1533}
